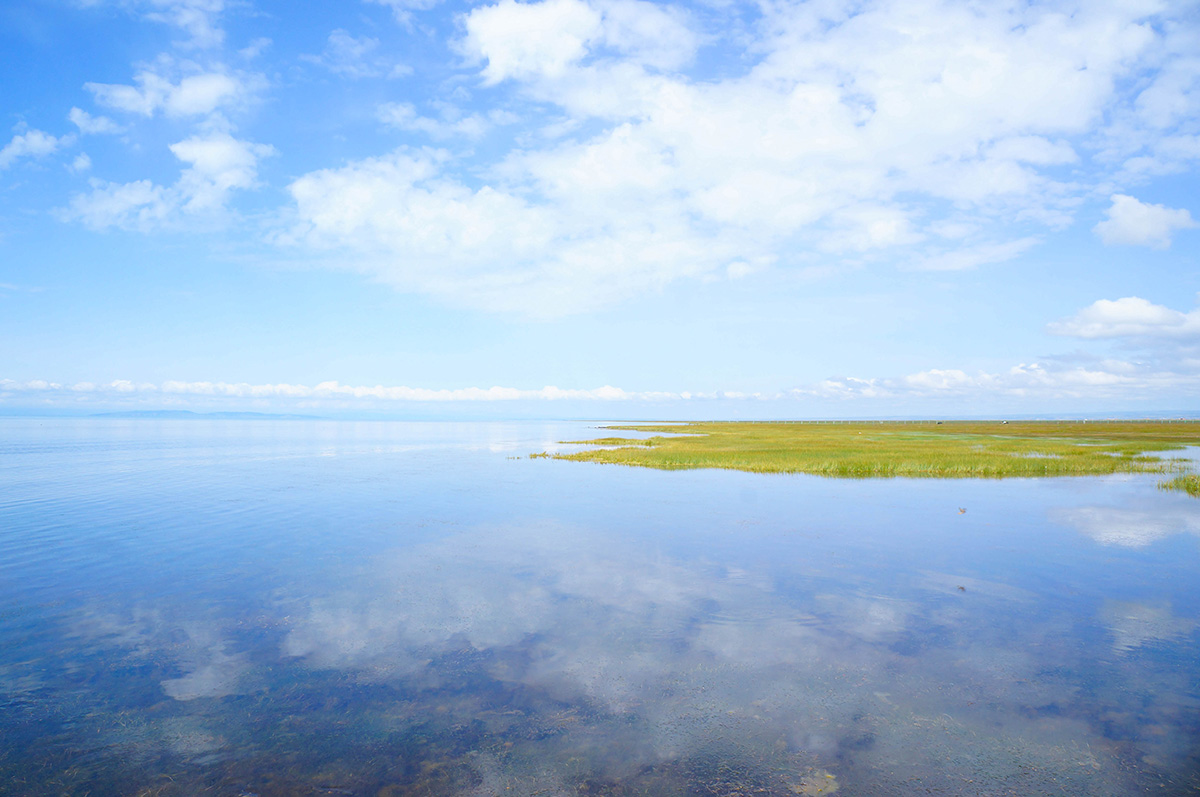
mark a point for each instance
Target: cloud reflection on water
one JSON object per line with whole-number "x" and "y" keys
{"x": 696, "y": 654}
{"x": 1132, "y": 527}
{"x": 1136, "y": 624}
{"x": 196, "y": 648}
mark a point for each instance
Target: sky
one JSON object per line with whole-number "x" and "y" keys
{"x": 600, "y": 208}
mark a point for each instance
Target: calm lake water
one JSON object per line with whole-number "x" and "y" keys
{"x": 274, "y": 608}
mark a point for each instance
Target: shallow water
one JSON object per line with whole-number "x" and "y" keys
{"x": 270, "y": 608}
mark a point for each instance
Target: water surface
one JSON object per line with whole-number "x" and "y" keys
{"x": 263, "y": 608}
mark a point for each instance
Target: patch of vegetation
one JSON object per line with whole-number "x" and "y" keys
{"x": 950, "y": 449}
{"x": 1188, "y": 483}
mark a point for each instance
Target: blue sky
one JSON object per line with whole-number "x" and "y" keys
{"x": 611, "y": 208}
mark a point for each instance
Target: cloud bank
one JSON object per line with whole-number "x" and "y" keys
{"x": 572, "y": 154}
{"x": 334, "y": 390}
{"x": 938, "y": 136}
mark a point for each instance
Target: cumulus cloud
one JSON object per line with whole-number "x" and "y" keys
{"x": 216, "y": 165}
{"x": 31, "y": 144}
{"x": 847, "y": 133}
{"x": 140, "y": 205}
{"x": 530, "y": 39}
{"x": 194, "y": 95}
{"x": 92, "y": 124}
{"x": 418, "y": 228}
{"x": 453, "y": 123}
{"x": 1140, "y": 224}
{"x": 1130, "y": 316}
{"x": 198, "y": 18}
{"x": 546, "y": 39}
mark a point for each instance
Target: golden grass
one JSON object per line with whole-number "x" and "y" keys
{"x": 951, "y": 449}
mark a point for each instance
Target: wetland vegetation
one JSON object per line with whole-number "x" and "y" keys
{"x": 933, "y": 449}
{"x": 1188, "y": 483}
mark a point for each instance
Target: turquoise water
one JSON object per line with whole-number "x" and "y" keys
{"x": 270, "y": 608}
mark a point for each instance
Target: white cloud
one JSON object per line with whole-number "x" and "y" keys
{"x": 29, "y": 385}
{"x": 82, "y": 163}
{"x": 92, "y": 124}
{"x": 139, "y": 205}
{"x": 194, "y": 95}
{"x": 847, "y": 132}
{"x": 256, "y": 48}
{"x": 815, "y": 132}
{"x": 653, "y": 34}
{"x": 420, "y": 229}
{"x": 936, "y": 379}
{"x": 1157, "y": 133}
{"x": 335, "y": 390}
{"x": 453, "y": 124}
{"x": 31, "y": 144}
{"x": 973, "y": 256}
{"x": 1034, "y": 149}
{"x": 202, "y": 94}
{"x": 402, "y": 9}
{"x": 198, "y": 18}
{"x": 1109, "y": 380}
{"x": 543, "y": 40}
{"x": 521, "y": 40}
{"x": 399, "y": 393}
{"x": 1141, "y": 224}
{"x": 354, "y": 57}
{"x": 217, "y": 164}
{"x": 1130, "y": 316}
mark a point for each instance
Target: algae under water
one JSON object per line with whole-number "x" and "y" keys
{"x": 276, "y": 608}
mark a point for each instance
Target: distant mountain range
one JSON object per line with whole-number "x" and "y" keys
{"x": 208, "y": 416}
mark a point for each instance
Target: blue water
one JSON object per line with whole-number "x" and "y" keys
{"x": 270, "y": 608}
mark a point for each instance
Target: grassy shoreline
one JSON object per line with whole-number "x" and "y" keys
{"x": 949, "y": 449}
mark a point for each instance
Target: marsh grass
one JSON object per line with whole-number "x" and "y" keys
{"x": 951, "y": 449}
{"x": 1188, "y": 483}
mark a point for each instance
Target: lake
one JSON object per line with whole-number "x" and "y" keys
{"x": 357, "y": 608}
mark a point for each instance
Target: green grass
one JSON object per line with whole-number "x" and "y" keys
{"x": 1188, "y": 483}
{"x": 953, "y": 449}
